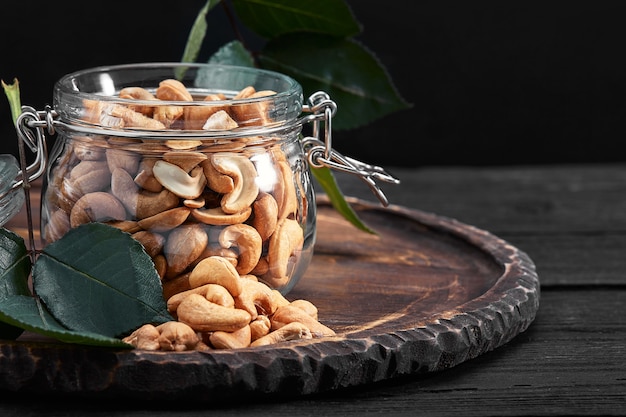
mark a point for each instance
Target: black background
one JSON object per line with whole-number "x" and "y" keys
{"x": 491, "y": 83}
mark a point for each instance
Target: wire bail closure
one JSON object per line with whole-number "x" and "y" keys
{"x": 321, "y": 154}
{"x": 30, "y": 124}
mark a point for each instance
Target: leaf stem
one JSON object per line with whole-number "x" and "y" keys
{"x": 233, "y": 23}
{"x": 29, "y": 212}
{"x": 12, "y": 91}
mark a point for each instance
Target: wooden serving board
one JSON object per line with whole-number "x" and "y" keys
{"x": 422, "y": 295}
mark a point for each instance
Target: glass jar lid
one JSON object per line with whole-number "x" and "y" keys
{"x": 94, "y": 98}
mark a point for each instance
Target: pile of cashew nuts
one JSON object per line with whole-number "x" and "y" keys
{"x": 223, "y": 244}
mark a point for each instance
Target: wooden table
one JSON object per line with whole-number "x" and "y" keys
{"x": 571, "y": 220}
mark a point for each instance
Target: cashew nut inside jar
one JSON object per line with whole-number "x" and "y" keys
{"x": 192, "y": 160}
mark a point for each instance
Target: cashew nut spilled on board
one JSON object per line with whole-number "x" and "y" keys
{"x": 257, "y": 316}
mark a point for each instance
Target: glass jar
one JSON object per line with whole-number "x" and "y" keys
{"x": 193, "y": 160}
{"x": 11, "y": 197}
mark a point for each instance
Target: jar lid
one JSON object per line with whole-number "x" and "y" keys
{"x": 177, "y": 97}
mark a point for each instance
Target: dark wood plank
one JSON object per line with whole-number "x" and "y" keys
{"x": 568, "y": 362}
{"x": 565, "y": 218}
{"x": 541, "y": 200}
{"x": 576, "y": 259}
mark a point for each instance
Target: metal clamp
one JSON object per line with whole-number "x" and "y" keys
{"x": 30, "y": 131}
{"x": 321, "y": 154}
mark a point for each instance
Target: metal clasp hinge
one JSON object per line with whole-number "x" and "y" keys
{"x": 321, "y": 154}
{"x": 30, "y": 126}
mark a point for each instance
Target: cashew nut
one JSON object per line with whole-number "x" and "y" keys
{"x": 215, "y": 293}
{"x": 140, "y": 204}
{"x": 152, "y": 242}
{"x": 125, "y": 117}
{"x": 145, "y": 178}
{"x": 96, "y": 207}
{"x": 261, "y": 268}
{"x": 216, "y": 250}
{"x": 265, "y": 218}
{"x": 171, "y": 90}
{"x": 216, "y": 270}
{"x": 204, "y": 316}
{"x": 196, "y": 203}
{"x": 173, "y": 286}
{"x": 183, "y": 246}
{"x": 85, "y": 167}
{"x": 306, "y": 306}
{"x": 149, "y": 203}
{"x": 288, "y": 314}
{"x": 128, "y": 161}
{"x": 247, "y": 241}
{"x": 138, "y": 93}
{"x": 259, "y": 327}
{"x": 217, "y": 181}
{"x": 128, "y": 226}
{"x": 58, "y": 225}
{"x": 285, "y": 191}
{"x": 182, "y": 144}
{"x": 255, "y": 298}
{"x": 176, "y": 336}
{"x": 284, "y": 250}
{"x": 239, "y": 338}
{"x": 160, "y": 264}
{"x": 178, "y": 181}
{"x": 196, "y": 116}
{"x": 95, "y": 180}
{"x": 220, "y": 121}
{"x": 217, "y": 217}
{"x": 124, "y": 188}
{"x": 165, "y": 220}
{"x": 254, "y": 113}
{"x": 243, "y": 173}
{"x": 291, "y": 331}
{"x": 185, "y": 160}
{"x": 146, "y": 337}
{"x": 244, "y": 93}
{"x": 279, "y": 299}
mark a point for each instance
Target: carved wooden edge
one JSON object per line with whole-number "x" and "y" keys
{"x": 299, "y": 367}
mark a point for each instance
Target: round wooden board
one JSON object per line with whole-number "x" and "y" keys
{"x": 424, "y": 294}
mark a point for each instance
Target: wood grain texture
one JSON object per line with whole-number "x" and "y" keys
{"x": 423, "y": 295}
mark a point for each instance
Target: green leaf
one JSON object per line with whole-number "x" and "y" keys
{"x": 270, "y": 19}
{"x": 15, "y": 267}
{"x": 196, "y": 37}
{"x": 197, "y": 33}
{"x": 20, "y": 311}
{"x": 12, "y": 91}
{"x": 326, "y": 179}
{"x": 99, "y": 279}
{"x": 348, "y": 72}
{"x": 233, "y": 53}
{"x": 28, "y": 313}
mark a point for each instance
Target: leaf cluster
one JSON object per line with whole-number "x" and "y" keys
{"x": 313, "y": 41}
